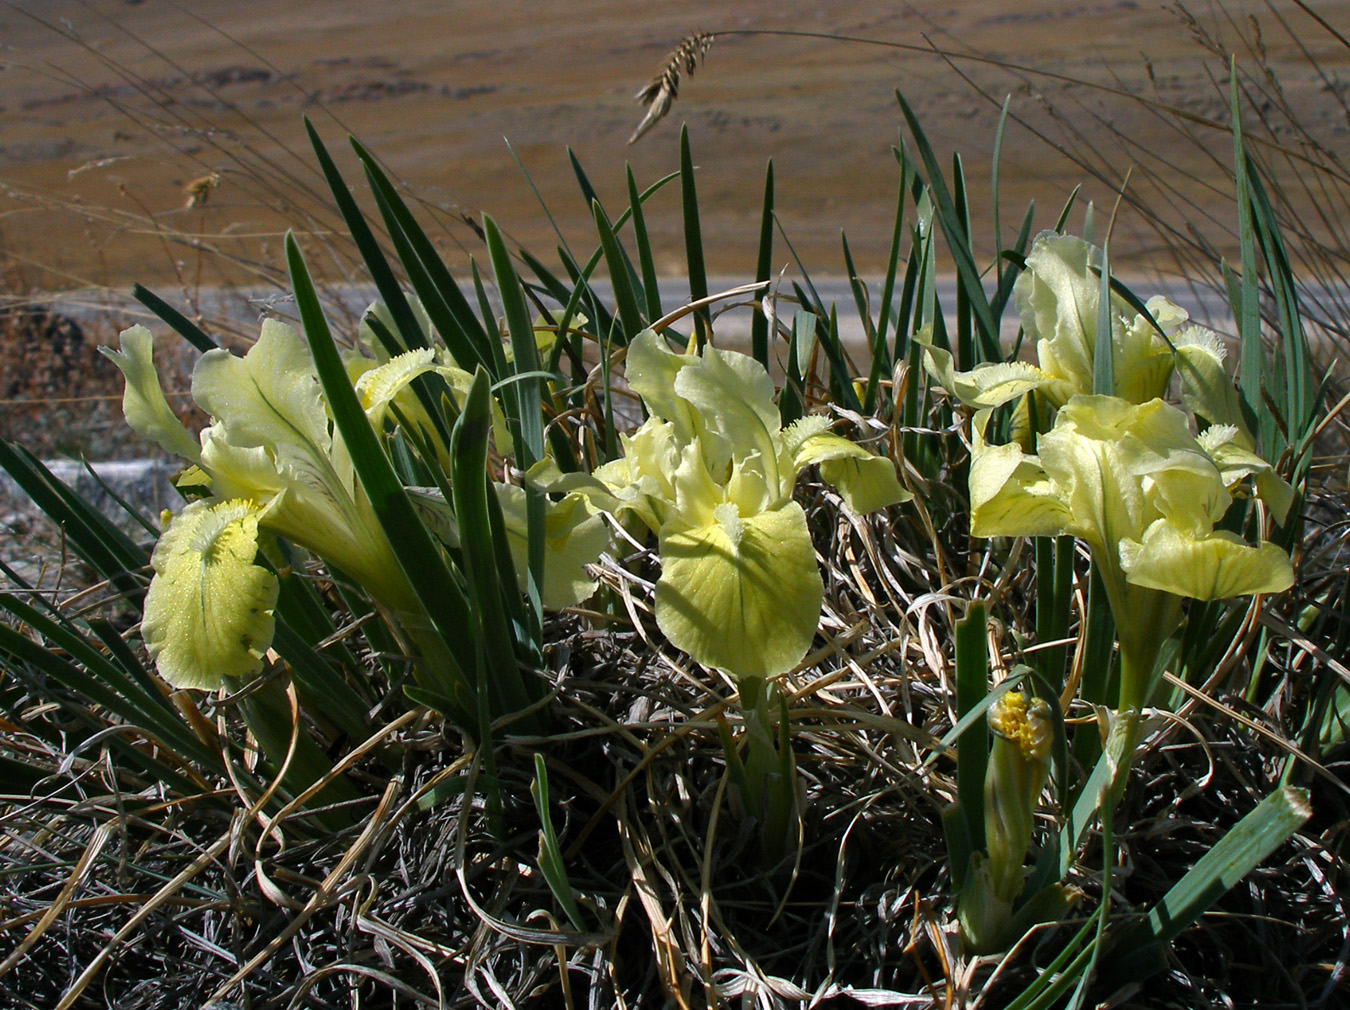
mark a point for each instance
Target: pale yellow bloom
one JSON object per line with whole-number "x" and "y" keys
{"x": 712, "y": 472}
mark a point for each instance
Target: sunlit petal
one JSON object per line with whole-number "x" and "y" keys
{"x": 1011, "y": 496}
{"x": 742, "y": 596}
{"x": 1212, "y": 567}
{"x": 208, "y": 612}
{"x": 143, "y": 403}
{"x": 989, "y": 384}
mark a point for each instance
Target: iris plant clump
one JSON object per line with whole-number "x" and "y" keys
{"x": 1122, "y": 471}
{"x": 271, "y": 463}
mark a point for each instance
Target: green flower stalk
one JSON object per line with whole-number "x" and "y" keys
{"x": 1019, "y": 764}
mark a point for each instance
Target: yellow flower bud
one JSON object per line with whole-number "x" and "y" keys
{"x": 1019, "y": 763}
{"x": 1028, "y": 726}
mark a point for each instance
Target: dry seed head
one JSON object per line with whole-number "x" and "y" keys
{"x": 198, "y": 191}
{"x": 660, "y": 92}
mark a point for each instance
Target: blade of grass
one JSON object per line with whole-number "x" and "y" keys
{"x": 630, "y": 315}
{"x": 841, "y": 375}
{"x": 792, "y": 399}
{"x": 469, "y": 451}
{"x": 180, "y": 323}
{"x": 126, "y": 701}
{"x": 551, "y": 863}
{"x": 108, "y": 550}
{"x": 693, "y": 239}
{"x": 759, "y": 322}
{"x": 972, "y": 686}
{"x": 1103, "y": 354}
{"x": 965, "y": 349}
{"x": 651, "y": 286}
{"x": 526, "y": 395}
{"x": 995, "y": 161}
{"x": 1009, "y": 277}
{"x": 592, "y": 198}
{"x": 1138, "y": 952}
{"x": 445, "y": 304}
{"x": 440, "y": 596}
{"x": 391, "y": 294}
{"x": 967, "y": 273}
{"x": 1251, "y": 363}
{"x": 1298, "y": 404}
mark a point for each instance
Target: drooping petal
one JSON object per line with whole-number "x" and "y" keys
{"x": 1212, "y": 567}
{"x": 1231, "y": 453}
{"x": 143, "y": 403}
{"x": 377, "y": 387}
{"x": 311, "y": 511}
{"x": 989, "y": 384}
{"x": 208, "y": 612}
{"x": 575, "y": 535}
{"x": 1011, "y": 496}
{"x": 865, "y": 481}
{"x": 1206, "y": 387}
{"x": 1100, "y": 449}
{"x": 742, "y": 596}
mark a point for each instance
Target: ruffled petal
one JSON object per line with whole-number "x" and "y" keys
{"x": 990, "y": 384}
{"x": 143, "y": 403}
{"x": 208, "y": 612}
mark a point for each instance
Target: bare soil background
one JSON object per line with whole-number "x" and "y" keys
{"x": 110, "y": 110}
{"x": 154, "y": 94}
